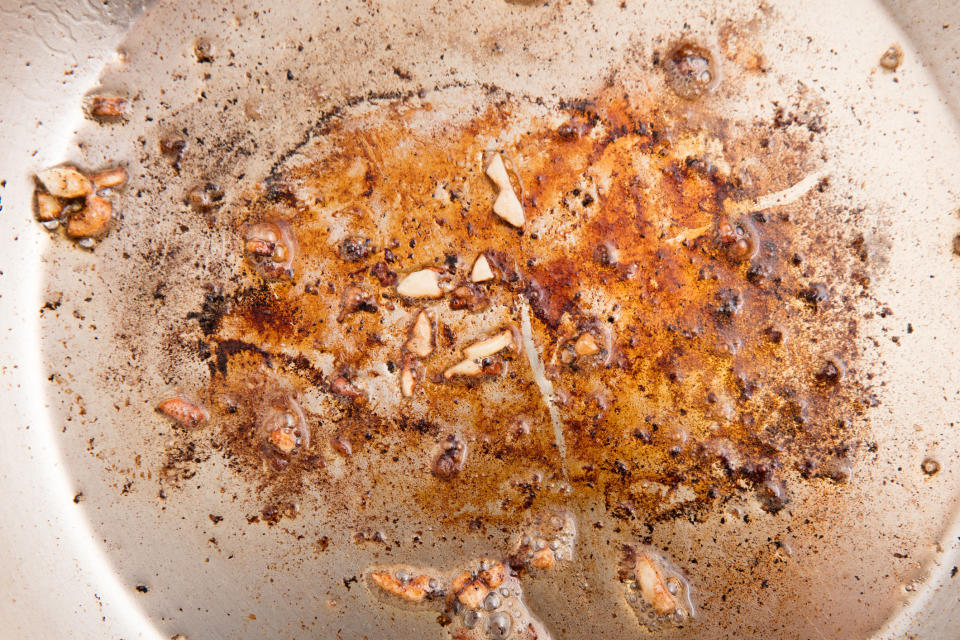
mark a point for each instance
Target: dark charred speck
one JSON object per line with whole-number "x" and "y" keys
{"x": 815, "y": 295}
{"x": 354, "y": 249}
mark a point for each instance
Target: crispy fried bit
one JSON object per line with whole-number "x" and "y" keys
{"x": 48, "y": 207}
{"x": 109, "y": 178}
{"x": 507, "y": 205}
{"x": 271, "y": 247}
{"x": 459, "y": 581}
{"x": 342, "y": 386}
{"x": 494, "y": 575}
{"x": 451, "y": 459}
{"x": 103, "y": 107}
{"x": 65, "y": 182}
{"x": 283, "y": 439}
{"x": 421, "y": 336}
{"x": 892, "y": 58}
{"x": 383, "y": 274}
{"x": 472, "y": 595}
{"x": 543, "y": 559}
{"x": 183, "y": 411}
{"x": 92, "y": 220}
{"x": 481, "y": 270}
{"x": 489, "y": 346}
{"x": 420, "y": 284}
{"x": 412, "y": 590}
{"x": 545, "y": 540}
{"x": 354, "y": 249}
{"x": 652, "y": 586}
{"x": 466, "y": 367}
{"x": 469, "y": 297}
{"x": 355, "y": 299}
{"x": 342, "y": 445}
{"x": 260, "y": 247}
{"x": 586, "y": 345}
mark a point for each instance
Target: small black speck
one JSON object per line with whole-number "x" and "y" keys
{"x": 289, "y": 74}
{"x": 77, "y": 498}
{"x": 909, "y": 328}
{"x": 142, "y": 588}
{"x": 348, "y": 581}
{"x": 953, "y": 572}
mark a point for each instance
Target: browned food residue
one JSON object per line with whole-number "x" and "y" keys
{"x": 683, "y": 340}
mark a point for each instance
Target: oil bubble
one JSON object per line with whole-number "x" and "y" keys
{"x": 690, "y": 70}
{"x": 930, "y": 467}
{"x": 492, "y": 601}
{"x": 204, "y": 50}
{"x": 471, "y": 618}
{"x": 499, "y": 625}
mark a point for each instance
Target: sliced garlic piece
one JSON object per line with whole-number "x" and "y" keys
{"x": 466, "y": 367}
{"x": 48, "y": 207}
{"x": 407, "y": 383}
{"x": 481, "y": 270}
{"x": 420, "y": 284}
{"x": 490, "y": 346}
{"x": 92, "y": 220}
{"x": 109, "y": 178}
{"x": 586, "y": 345}
{"x": 507, "y": 205}
{"x": 65, "y": 182}
{"x": 652, "y": 587}
{"x": 421, "y": 336}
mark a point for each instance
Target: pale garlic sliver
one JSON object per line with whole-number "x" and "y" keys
{"x": 407, "y": 382}
{"x": 586, "y": 345}
{"x": 420, "y": 284}
{"x": 48, "y": 207}
{"x": 109, "y": 178}
{"x": 65, "y": 182}
{"x": 466, "y": 367}
{"x": 507, "y": 205}
{"x": 490, "y": 346}
{"x": 481, "y": 270}
{"x": 421, "y": 338}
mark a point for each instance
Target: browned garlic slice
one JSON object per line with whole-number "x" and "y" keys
{"x": 489, "y": 346}
{"x": 412, "y": 590}
{"x": 65, "y": 182}
{"x": 586, "y": 345}
{"x": 48, "y": 207}
{"x": 420, "y": 284}
{"x": 407, "y": 382}
{"x": 466, "y": 367}
{"x": 421, "y": 336}
{"x": 481, "y": 270}
{"x": 507, "y": 205}
{"x": 652, "y": 586}
{"x": 92, "y": 220}
{"x": 109, "y": 178}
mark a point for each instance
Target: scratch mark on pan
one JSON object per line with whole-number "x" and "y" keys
{"x": 543, "y": 384}
{"x": 779, "y": 198}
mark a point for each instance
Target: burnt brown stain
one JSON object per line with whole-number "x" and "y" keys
{"x": 697, "y": 328}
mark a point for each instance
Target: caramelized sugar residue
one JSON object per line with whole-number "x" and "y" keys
{"x": 690, "y": 348}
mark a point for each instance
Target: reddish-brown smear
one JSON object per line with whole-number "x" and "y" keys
{"x": 716, "y": 347}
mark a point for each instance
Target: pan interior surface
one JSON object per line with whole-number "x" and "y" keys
{"x": 726, "y": 319}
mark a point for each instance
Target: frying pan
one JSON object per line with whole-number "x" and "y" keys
{"x": 99, "y": 542}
